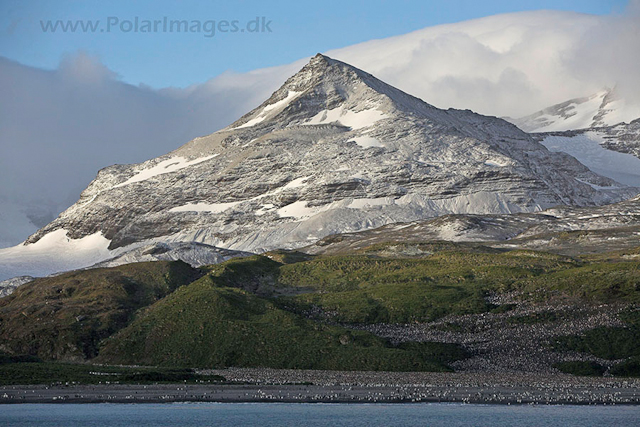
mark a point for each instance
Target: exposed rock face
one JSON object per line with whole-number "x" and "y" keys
{"x": 193, "y": 253}
{"x": 623, "y": 138}
{"x": 569, "y": 231}
{"x": 8, "y": 286}
{"x": 333, "y": 150}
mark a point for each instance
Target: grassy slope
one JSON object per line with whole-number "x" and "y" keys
{"x": 210, "y": 323}
{"x": 204, "y": 325}
{"x": 66, "y": 316}
{"x": 370, "y": 290}
{"x": 596, "y": 282}
{"x": 247, "y": 312}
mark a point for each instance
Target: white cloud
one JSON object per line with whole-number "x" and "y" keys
{"x": 57, "y": 128}
{"x": 610, "y": 53}
{"x": 504, "y": 65}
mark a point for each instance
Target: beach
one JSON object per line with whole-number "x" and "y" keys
{"x": 273, "y": 385}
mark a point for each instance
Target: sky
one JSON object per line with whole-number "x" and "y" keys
{"x": 297, "y": 29}
{"x": 75, "y": 102}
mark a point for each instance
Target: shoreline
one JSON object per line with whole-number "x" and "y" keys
{"x": 68, "y": 395}
{"x": 289, "y": 386}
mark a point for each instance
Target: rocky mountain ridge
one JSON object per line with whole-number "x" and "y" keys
{"x": 334, "y": 150}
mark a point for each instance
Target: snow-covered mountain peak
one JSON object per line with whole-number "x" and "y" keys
{"x": 327, "y": 91}
{"x": 333, "y": 150}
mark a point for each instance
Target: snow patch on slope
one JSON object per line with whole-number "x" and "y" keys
{"x": 620, "y": 111}
{"x": 221, "y": 207}
{"x": 267, "y": 207}
{"x": 481, "y": 202}
{"x": 271, "y": 107}
{"x": 496, "y": 163}
{"x": 369, "y": 203}
{"x": 166, "y": 166}
{"x": 352, "y": 119}
{"x": 54, "y": 252}
{"x": 204, "y": 207}
{"x": 597, "y": 187}
{"x": 8, "y": 286}
{"x": 367, "y": 141}
{"x": 296, "y": 183}
{"x": 300, "y": 210}
{"x": 195, "y": 254}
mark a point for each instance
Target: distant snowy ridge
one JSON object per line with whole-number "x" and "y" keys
{"x": 604, "y": 108}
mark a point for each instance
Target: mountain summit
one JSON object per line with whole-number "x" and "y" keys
{"x": 333, "y": 150}
{"x": 326, "y": 84}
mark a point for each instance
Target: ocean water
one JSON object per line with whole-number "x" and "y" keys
{"x": 301, "y": 414}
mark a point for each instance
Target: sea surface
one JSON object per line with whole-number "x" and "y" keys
{"x": 313, "y": 414}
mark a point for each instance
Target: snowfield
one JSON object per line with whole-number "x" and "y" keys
{"x": 587, "y": 148}
{"x": 166, "y": 166}
{"x": 53, "y": 253}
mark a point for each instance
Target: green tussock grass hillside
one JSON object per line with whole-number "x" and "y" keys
{"x": 203, "y": 325}
{"x": 365, "y": 289}
{"x": 291, "y": 310}
{"x": 65, "y": 317}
